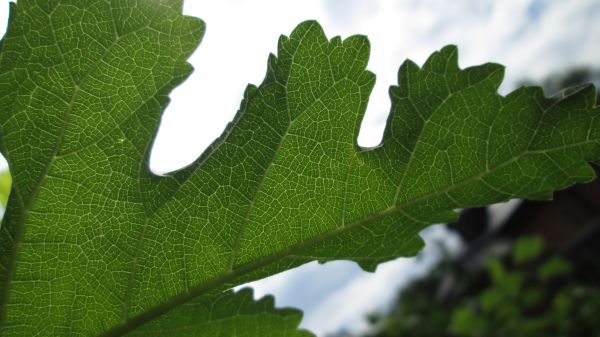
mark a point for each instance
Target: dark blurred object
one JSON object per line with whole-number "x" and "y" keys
{"x": 573, "y": 78}
{"x": 558, "y": 82}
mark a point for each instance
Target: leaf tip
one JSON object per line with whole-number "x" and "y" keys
{"x": 368, "y": 266}
{"x": 307, "y": 27}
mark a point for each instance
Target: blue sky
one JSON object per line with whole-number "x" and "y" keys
{"x": 532, "y": 38}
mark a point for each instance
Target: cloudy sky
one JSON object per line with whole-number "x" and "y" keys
{"x": 533, "y": 38}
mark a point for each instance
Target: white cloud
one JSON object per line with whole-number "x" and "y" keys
{"x": 363, "y": 294}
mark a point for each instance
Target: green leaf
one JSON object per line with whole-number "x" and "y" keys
{"x": 228, "y": 315}
{"x": 466, "y": 323}
{"x": 527, "y": 248}
{"x": 554, "y": 267}
{"x": 93, "y": 243}
{"x": 496, "y": 270}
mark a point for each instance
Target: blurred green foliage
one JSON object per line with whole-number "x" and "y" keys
{"x": 522, "y": 301}
{"x": 529, "y": 294}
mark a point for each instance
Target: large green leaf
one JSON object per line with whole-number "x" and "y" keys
{"x": 93, "y": 243}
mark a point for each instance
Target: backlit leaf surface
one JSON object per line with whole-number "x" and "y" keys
{"x": 94, "y": 244}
